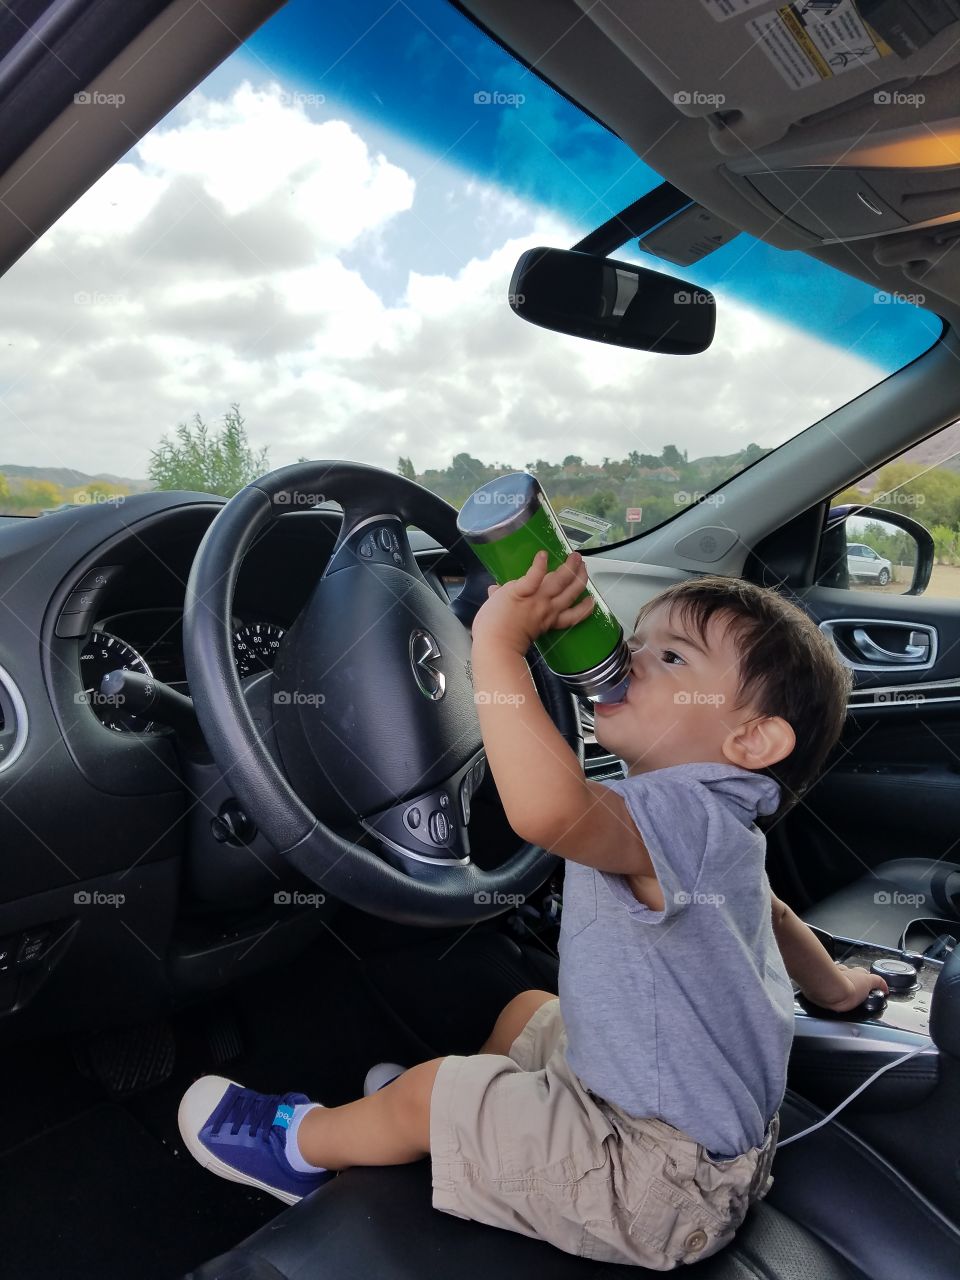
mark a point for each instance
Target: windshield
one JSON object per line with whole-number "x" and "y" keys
{"x": 310, "y": 257}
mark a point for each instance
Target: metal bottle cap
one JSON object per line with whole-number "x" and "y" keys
{"x": 499, "y": 507}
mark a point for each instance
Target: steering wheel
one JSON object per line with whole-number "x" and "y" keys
{"x": 371, "y": 702}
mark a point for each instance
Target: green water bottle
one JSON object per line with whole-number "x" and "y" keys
{"x": 507, "y": 521}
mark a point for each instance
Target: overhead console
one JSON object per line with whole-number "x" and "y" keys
{"x": 840, "y": 119}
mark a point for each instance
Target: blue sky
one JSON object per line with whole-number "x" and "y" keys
{"x": 414, "y": 71}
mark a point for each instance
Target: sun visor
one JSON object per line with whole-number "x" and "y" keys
{"x": 752, "y": 69}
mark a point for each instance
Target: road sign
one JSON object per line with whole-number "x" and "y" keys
{"x": 634, "y": 515}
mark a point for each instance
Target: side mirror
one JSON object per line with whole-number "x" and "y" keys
{"x": 609, "y": 301}
{"x": 874, "y": 549}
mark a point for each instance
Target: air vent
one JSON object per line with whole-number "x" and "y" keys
{"x": 13, "y": 721}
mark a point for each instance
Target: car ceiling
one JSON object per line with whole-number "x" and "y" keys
{"x": 687, "y": 86}
{"x": 698, "y": 96}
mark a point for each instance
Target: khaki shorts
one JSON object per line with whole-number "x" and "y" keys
{"x": 518, "y": 1142}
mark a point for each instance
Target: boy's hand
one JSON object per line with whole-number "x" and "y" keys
{"x": 517, "y": 612}
{"x": 859, "y": 984}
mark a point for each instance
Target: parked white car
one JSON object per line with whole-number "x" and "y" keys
{"x": 864, "y": 562}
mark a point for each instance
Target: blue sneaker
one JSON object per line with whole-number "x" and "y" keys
{"x": 241, "y": 1135}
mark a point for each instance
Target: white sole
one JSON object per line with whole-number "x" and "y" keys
{"x": 189, "y": 1130}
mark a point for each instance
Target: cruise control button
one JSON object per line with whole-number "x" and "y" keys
{"x": 438, "y": 826}
{"x": 383, "y": 537}
{"x": 413, "y": 816}
{"x": 367, "y": 547}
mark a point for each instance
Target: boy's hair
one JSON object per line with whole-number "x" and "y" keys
{"x": 788, "y": 668}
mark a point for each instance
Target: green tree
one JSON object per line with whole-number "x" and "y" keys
{"x": 600, "y": 503}
{"x": 543, "y": 470}
{"x": 207, "y": 461}
{"x": 405, "y": 468}
{"x": 36, "y": 495}
{"x": 672, "y": 457}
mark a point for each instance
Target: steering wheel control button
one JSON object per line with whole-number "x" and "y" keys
{"x": 439, "y": 827}
{"x": 367, "y": 548}
{"x": 385, "y": 539}
{"x": 412, "y": 817}
{"x": 898, "y": 974}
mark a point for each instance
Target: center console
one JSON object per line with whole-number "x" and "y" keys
{"x": 835, "y": 1052}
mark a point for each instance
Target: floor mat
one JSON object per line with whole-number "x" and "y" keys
{"x": 100, "y": 1197}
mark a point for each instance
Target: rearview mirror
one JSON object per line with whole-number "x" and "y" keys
{"x": 609, "y": 301}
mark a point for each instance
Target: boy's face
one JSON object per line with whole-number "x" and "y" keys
{"x": 681, "y": 701}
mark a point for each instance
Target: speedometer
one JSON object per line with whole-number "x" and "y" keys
{"x": 101, "y": 654}
{"x": 255, "y": 648}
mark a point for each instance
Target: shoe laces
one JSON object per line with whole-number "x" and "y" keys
{"x": 255, "y": 1110}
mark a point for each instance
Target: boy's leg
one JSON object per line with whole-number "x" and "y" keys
{"x": 391, "y": 1126}
{"x": 513, "y": 1018}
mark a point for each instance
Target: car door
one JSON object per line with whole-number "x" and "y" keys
{"x": 892, "y": 787}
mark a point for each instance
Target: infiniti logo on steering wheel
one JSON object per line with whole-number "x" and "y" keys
{"x": 425, "y": 660}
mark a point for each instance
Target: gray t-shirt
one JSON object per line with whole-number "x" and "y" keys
{"x": 686, "y": 1013}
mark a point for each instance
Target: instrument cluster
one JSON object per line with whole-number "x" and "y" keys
{"x": 150, "y": 641}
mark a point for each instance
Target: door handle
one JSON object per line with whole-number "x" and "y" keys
{"x": 916, "y": 651}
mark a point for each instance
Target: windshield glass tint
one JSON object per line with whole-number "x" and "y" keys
{"x": 310, "y": 257}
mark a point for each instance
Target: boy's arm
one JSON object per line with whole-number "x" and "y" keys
{"x": 807, "y": 961}
{"x": 545, "y": 795}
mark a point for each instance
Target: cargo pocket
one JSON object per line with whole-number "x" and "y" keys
{"x": 680, "y": 1227}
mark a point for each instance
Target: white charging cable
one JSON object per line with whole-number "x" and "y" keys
{"x": 836, "y": 1111}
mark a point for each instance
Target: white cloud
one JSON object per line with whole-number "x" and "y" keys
{"x": 211, "y": 266}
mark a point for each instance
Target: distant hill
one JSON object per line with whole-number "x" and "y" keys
{"x": 67, "y": 478}
{"x": 942, "y": 449}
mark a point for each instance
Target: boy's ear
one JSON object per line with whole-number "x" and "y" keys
{"x": 759, "y": 743}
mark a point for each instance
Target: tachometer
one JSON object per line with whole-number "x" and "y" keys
{"x": 255, "y": 647}
{"x": 103, "y": 653}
